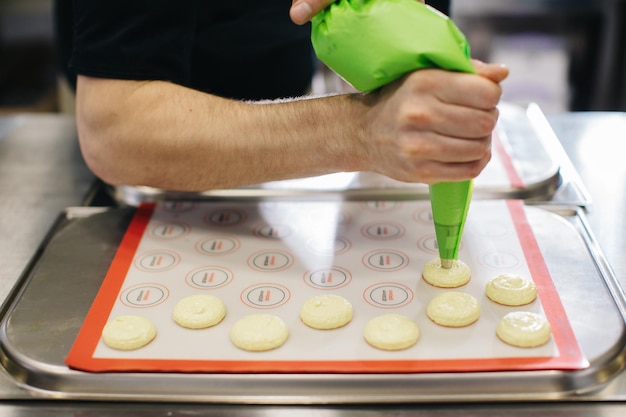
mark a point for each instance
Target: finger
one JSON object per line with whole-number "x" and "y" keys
{"x": 303, "y": 10}
{"x": 464, "y": 122}
{"x": 444, "y": 149}
{"x": 453, "y": 120}
{"x": 462, "y": 151}
{"x": 433, "y": 172}
{"x": 494, "y": 72}
{"x": 462, "y": 89}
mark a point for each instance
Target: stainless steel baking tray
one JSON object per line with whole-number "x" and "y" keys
{"x": 533, "y": 149}
{"x": 47, "y": 310}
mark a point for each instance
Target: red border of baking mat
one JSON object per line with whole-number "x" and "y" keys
{"x": 81, "y": 355}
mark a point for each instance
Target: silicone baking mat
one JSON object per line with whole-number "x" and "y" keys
{"x": 271, "y": 256}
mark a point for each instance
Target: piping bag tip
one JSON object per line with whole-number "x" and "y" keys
{"x": 450, "y": 203}
{"x": 447, "y": 263}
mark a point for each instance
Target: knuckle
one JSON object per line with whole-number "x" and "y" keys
{"x": 483, "y": 149}
{"x": 489, "y": 96}
{"x": 428, "y": 81}
{"x": 414, "y": 116}
{"x": 426, "y": 174}
{"x": 421, "y": 149}
{"x": 477, "y": 167}
{"x": 485, "y": 122}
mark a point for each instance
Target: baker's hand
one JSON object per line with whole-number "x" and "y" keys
{"x": 434, "y": 125}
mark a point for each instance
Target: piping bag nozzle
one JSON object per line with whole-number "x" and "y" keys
{"x": 450, "y": 202}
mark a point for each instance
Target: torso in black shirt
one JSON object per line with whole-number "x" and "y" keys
{"x": 242, "y": 49}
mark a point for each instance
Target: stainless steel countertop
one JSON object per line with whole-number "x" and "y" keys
{"x": 41, "y": 172}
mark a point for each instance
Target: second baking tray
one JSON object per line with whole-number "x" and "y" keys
{"x": 527, "y": 163}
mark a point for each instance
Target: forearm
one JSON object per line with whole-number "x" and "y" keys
{"x": 429, "y": 126}
{"x": 166, "y": 136}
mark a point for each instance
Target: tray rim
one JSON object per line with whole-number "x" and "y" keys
{"x": 363, "y": 388}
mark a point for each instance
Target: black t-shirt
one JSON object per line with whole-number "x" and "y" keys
{"x": 244, "y": 49}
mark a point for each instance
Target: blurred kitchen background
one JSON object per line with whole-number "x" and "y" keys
{"x": 565, "y": 55}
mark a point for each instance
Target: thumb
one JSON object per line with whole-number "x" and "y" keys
{"x": 494, "y": 72}
{"x": 303, "y": 10}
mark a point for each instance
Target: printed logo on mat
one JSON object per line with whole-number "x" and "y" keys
{"x": 328, "y": 278}
{"x": 270, "y": 261}
{"x": 225, "y": 217}
{"x": 144, "y": 295}
{"x": 273, "y": 231}
{"x": 170, "y": 230}
{"x": 424, "y": 216}
{"x": 383, "y": 230}
{"x": 157, "y": 261}
{"x": 386, "y": 260}
{"x": 177, "y": 206}
{"x": 266, "y": 295}
{"x": 381, "y": 206}
{"x": 218, "y": 245}
{"x": 388, "y": 295}
{"x": 209, "y": 277}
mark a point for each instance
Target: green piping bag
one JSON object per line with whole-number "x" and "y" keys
{"x": 371, "y": 43}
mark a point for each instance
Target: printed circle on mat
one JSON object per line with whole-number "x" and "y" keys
{"x": 178, "y": 206}
{"x": 273, "y": 231}
{"x": 144, "y": 295}
{"x": 259, "y": 332}
{"x": 266, "y": 295}
{"x": 225, "y": 217}
{"x": 328, "y": 278}
{"x": 335, "y": 246}
{"x": 381, "y": 206}
{"x": 501, "y": 260}
{"x": 388, "y": 295}
{"x": 385, "y": 260}
{"x": 209, "y": 277}
{"x": 157, "y": 261}
{"x": 128, "y": 332}
{"x": 428, "y": 244}
{"x": 217, "y": 245}
{"x": 383, "y": 230}
{"x": 169, "y": 230}
{"x": 270, "y": 261}
{"x": 424, "y": 216}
